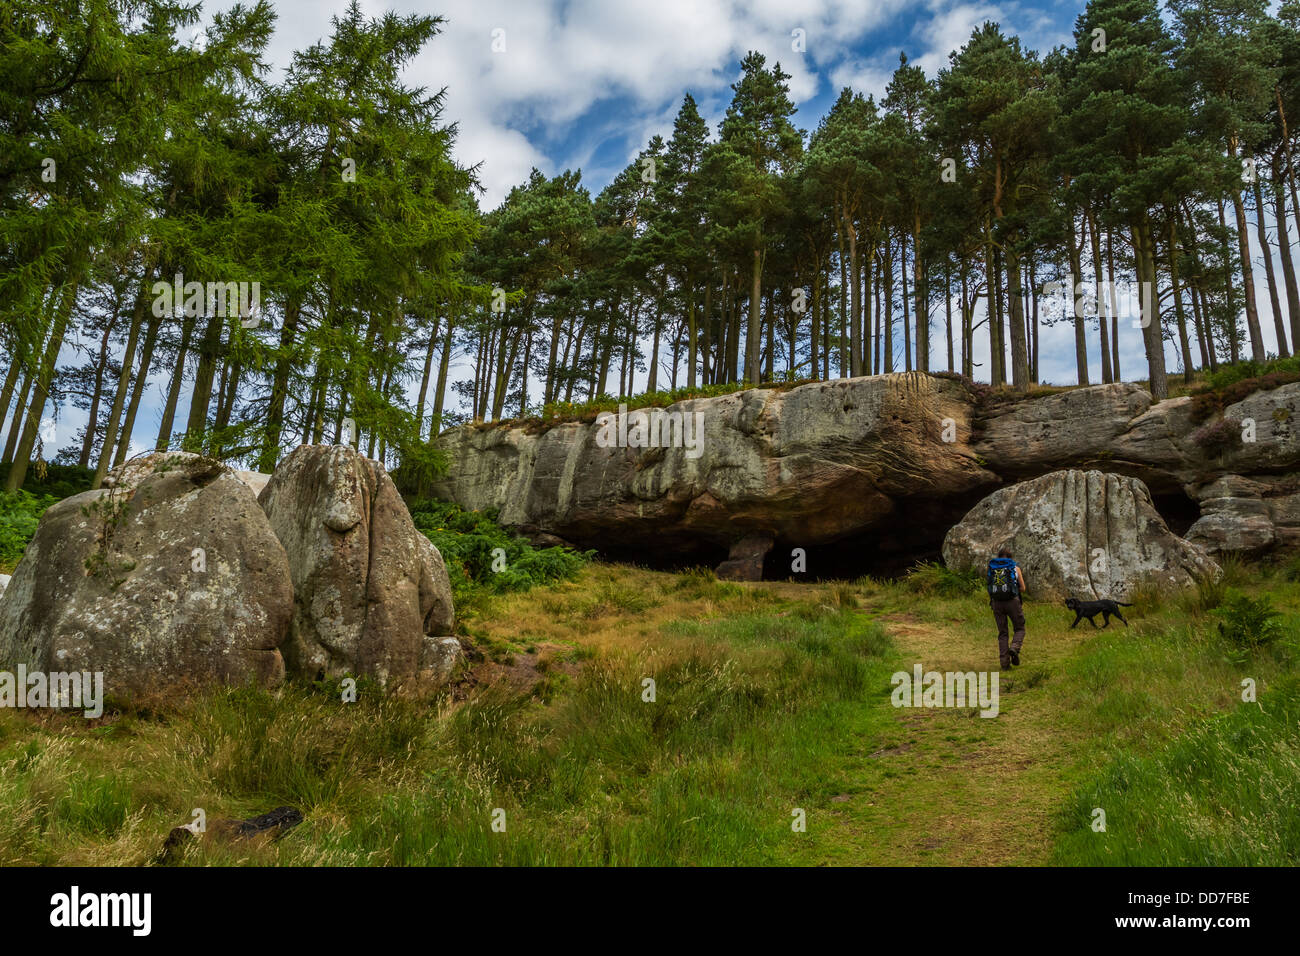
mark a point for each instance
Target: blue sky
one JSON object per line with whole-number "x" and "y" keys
{"x": 584, "y": 84}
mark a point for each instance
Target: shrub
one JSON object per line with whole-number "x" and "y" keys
{"x": 469, "y": 541}
{"x": 1218, "y": 436}
{"x": 934, "y": 578}
{"x": 20, "y": 512}
{"x": 1248, "y": 622}
{"x": 1289, "y": 569}
{"x": 1231, "y": 383}
{"x": 56, "y": 481}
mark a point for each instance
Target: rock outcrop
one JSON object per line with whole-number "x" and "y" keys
{"x": 174, "y": 577}
{"x": 1083, "y": 534}
{"x": 807, "y": 465}
{"x": 1248, "y": 516}
{"x": 888, "y": 462}
{"x": 369, "y": 590}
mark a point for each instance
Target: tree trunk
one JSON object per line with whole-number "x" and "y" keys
{"x": 1279, "y": 324}
{"x": 996, "y": 374}
{"x": 201, "y": 396}
{"x": 41, "y": 392}
{"x": 887, "y": 293}
{"x": 1019, "y": 347}
{"x": 424, "y": 379}
{"x": 1107, "y": 372}
{"x": 706, "y": 323}
{"x": 1151, "y": 329}
{"x": 270, "y": 454}
{"x": 1247, "y": 272}
{"x": 7, "y": 392}
{"x": 652, "y": 385}
{"x": 947, "y": 308}
{"x": 138, "y": 384}
{"x": 855, "y": 300}
{"x": 1114, "y": 307}
{"x": 1288, "y": 264}
{"x": 691, "y": 332}
{"x": 92, "y": 418}
{"x": 907, "y": 328}
{"x": 119, "y": 395}
{"x": 16, "y": 426}
{"x": 922, "y": 310}
{"x": 440, "y": 390}
{"x": 1080, "y": 324}
{"x": 752, "y": 330}
{"x": 1179, "y": 312}
{"x": 733, "y": 332}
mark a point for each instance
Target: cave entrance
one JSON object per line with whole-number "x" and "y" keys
{"x": 850, "y": 558}
{"x": 1178, "y": 509}
{"x": 678, "y": 556}
{"x": 913, "y": 534}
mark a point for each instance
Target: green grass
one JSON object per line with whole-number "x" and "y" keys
{"x": 1188, "y": 772}
{"x": 768, "y": 699}
{"x": 1223, "y": 794}
{"x": 743, "y": 718}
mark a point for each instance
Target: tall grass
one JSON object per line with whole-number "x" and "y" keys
{"x": 743, "y": 715}
{"x": 1222, "y": 795}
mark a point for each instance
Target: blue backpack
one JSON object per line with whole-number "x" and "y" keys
{"x": 1002, "y": 581}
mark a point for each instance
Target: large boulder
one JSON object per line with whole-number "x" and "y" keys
{"x": 173, "y": 578}
{"x": 1084, "y": 534}
{"x": 369, "y": 590}
{"x": 134, "y": 470}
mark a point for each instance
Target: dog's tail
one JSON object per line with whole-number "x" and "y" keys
{"x": 1123, "y": 604}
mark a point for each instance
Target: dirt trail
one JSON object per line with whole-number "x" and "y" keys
{"x": 948, "y": 787}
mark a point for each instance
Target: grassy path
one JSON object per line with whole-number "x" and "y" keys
{"x": 935, "y": 786}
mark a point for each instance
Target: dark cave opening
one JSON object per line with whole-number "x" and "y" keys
{"x": 913, "y": 535}
{"x": 1179, "y": 511}
{"x": 666, "y": 556}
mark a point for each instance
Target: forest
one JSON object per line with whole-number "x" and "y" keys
{"x": 140, "y": 153}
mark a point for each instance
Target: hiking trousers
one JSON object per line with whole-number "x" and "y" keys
{"x": 1002, "y": 610}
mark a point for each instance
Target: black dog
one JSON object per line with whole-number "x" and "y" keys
{"x": 1091, "y": 609}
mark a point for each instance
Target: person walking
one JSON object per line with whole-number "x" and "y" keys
{"x": 1006, "y": 584}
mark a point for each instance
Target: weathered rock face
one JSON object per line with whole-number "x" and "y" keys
{"x": 1028, "y": 438}
{"x": 887, "y": 460}
{"x": 174, "y": 578}
{"x": 368, "y": 588}
{"x": 130, "y": 473}
{"x": 1248, "y": 516}
{"x": 807, "y": 465}
{"x": 1084, "y": 534}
